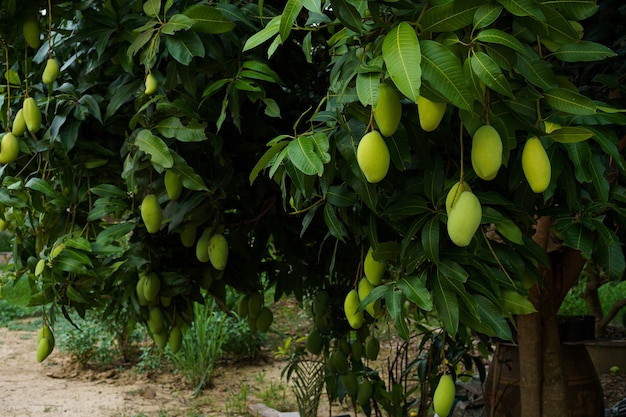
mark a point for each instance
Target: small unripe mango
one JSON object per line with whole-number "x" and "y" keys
{"x": 139, "y": 291}
{"x": 32, "y": 115}
{"x": 364, "y": 289}
{"x": 455, "y": 193}
{"x": 151, "y": 84}
{"x": 151, "y": 213}
{"x": 388, "y": 111}
{"x": 374, "y": 270}
{"x": 255, "y": 304}
{"x": 430, "y": 113}
{"x": 175, "y": 339}
{"x": 486, "y": 152}
{"x": 188, "y": 235}
{"x": 156, "y": 320}
{"x": 373, "y": 156}
{"x": 372, "y": 347}
{"x": 50, "y": 72}
{"x": 366, "y": 389}
{"x": 350, "y": 307}
{"x": 151, "y": 287}
{"x": 218, "y": 251}
{"x": 31, "y": 31}
{"x": 160, "y": 339}
{"x": 464, "y": 219}
{"x": 443, "y": 399}
{"x": 536, "y": 165}
{"x": 264, "y": 320}
{"x": 202, "y": 245}
{"x": 173, "y": 185}
{"x": 43, "y": 349}
{"x": 19, "y": 125}
{"x": 314, "y": 342}
{"x": 9, "y": 148}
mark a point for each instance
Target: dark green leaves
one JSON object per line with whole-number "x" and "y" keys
{"x": 401, "y": 52}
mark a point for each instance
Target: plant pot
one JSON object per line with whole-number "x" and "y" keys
{"x": 606, "y": 354}
{"x": 502, "y": 391}
{"x": 576, "y": 328}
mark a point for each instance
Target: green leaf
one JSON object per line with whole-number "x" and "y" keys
{"x": 114, "y": 232}
{"x": 486, "y": 15}
{"x": 571, "y": 134}
{"x": 609, "y": 254}
{"x": 414, "y": 289}
{"x": 152, "y": 8}
{"x": 569, "y": 101}
{"x": 535, "y": 70}
{"x": 430, "y": 239}
{"x": 289, "y": 16}
{"x": 208, "y": 19}
{"x": 453, "y": 271}
{"x": 523, "y": 8}
{"x": 394, "y": 300}
{"x": 447, "y": 305}
{"x": 501, "y": 38}
{"x": 491, "y": 316}
{"x": 172, "y": 127}
{"x": 583, "y": 51}
{"x": 510, "y": 231}
{"x": 574, "y": 9}
{"x": 188, "y": 176}
{"x": 41, "y": 185}
{"x": 184, "y": 46}
{"x": 154, "y": 147}
{"x": 266, "y": 159}
{"x": 348, "y": 15}
{"x": 488, "y": 72}
{"x": 401, "y": 53}
{"x": 515, "y": 303}
{"x": 313, "y": 6}
{"x": 367, "y": 88}
{"x": 450, "y": 16}
{"x": 301, "y": 152}
{"x": 444, "y": 72}
{"x": 321, "y": 143}
{"x": 340, "y": 196}
{"x": 335, "y": 226}
{"x": 71, "y": 260}
{"x": 104, "y": 206}
{"x": 264, "y": 34}
{"x": 599, "y": 178}
{"x": 90, "y": 102}
{"x": 176, "y": 23}
{"x": 108, "y": 190}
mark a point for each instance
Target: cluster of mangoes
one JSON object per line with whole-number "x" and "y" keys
{"x": 374, "y": 271}
{"x": 252, "y": 307}
{"x": 45, "y": 342}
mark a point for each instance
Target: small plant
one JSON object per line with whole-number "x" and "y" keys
{"x": 239, "y": 341}
{"x": 275, "y": 396}
{"x": 90, "y": 345}
{"x": 149, "y": 359}
{"x": 237, "y": 404}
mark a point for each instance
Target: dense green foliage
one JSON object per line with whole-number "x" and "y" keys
{"x": 259, "y": 109}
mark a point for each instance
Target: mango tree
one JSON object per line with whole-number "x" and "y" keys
{"x": 442, "y": 159}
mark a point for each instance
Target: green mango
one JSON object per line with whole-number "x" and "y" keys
{"x": 443, "y": 399}
{"x": 350, "y": 306}
{"x": 173, "y": 185}
{"x": 430, "y": 113}
{"x": 464, "y": 219}
{"x": 9, "y": 148}
{"x": 151, "y": 213}
{"x": 218, "y": 251}
{"x": 373, "y": 156}
{"x": 50, "y": 72}
{"x": 32, "y": 115}
{"x": 536, "y": 165}
{"x": 486, "y": 152}
{"x": 388, "y": 111}
{"x": 373, "y": 269}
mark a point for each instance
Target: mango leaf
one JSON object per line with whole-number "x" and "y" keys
{"x": 208, "y": 19}
{"x": 599, "y": 178}
{"x": 188, "y": 176}
{"x": 535, "y": 70}
{"x": 453, "y": 271}
{"x": 447, "y": 305}
{"x": 301, "y": 152}
{"x": 444, "y": 72}
{"x": 266, "y": 159}
{"x": 264, "y": 34}
{"x": 491, "y": 316}
{"x": 515, "y": 303}
{"x": 108, "y": 190}
{"x": 414, "y": 289}
{"x": 335, "y": 226}
{"x": 114, "y": 232}
{"x": 172, "y": 127}
{"x": 571, "y": 134}
{"x": 501, "y": 38}
{"x": 184, "y": 46}
{"x": 152, "y": 8}
{"x": 486, "y": 15}
{"x": 554, "y": 27}
{"x": 41, "y": 185}
{"x": 176, "y": 23}
{"x": 154, "y": 147}
{"x": 430, "y": 239}
{"x": 289, "y": 16}
{"x": 321, "y": 143}
{"x": 488, "y": 72}
{"x": 314, "y": 6}
{"x": 104, "y": 206}
{"x": 608, "y": 253}
{"x": 401, "y": 53}
{"x": 523, "y": 8}
{"x": 574, "y": 9}
{"x": 394, "y": 300}
{"x": 340, "y": 196}
{"x": 510, "y": 231}
{"x": 583, "y": 51}
{"x": 569, "y": 101}
{"x": 367, "y": 88}
{"x": 450, "y": 16}
{"x": 348, "y": 15}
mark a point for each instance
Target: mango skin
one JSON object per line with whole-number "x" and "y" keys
{"x": 373, "y": 157}
{"x": 175, "y": 339}
{"x": 464, "y": 219}
{"x": 19, "y": 125}
{"x": 43, "y": 349}
{"x": 350, "y": 306}
{"x": 32, "y": 115}
{"x": 374, "y": 270}
{"x": 430, "y": 113}
{"x": 151, "y": 287}
{"x": 314, "y": 342}
{"x": 31, "y": 31}
{"x": 486, "y": 152}
{"x": 9, "y": 148}
{"x": 218, "y": 251}
{"x": 151, "y": 85}
{"x": 388, "y": 111}
{"x": 455, "y": 193}
{"x": 202, "y": 246}
{"x": 50, "y": 72}
{"x": 536, "y": 165}
{"x": 151, "y": 213}
{"x": 364, "y": 288}
{"x": 443, "y": 399}
{"x": 264, "y": 320}
{"x": 173, "y": 185}
{"x": 188, "y": 235}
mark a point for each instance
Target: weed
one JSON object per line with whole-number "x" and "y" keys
{"x": 275, "y": 396}
{"x": 237, "y": 404}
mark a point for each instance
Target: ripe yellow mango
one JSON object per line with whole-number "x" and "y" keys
{"x": 173, "y": 185}
{"x": 430, "y": 113}
{"x": 31, "y": 31}
{"x": 50, "y": 72}
{"x": 32, "y": 115}
{"x": 486, "y": 152}
{"x": 350, "y": 307}
{"x": 536, "y": 165}
{"x": 388, "y": 111}
{"x": 151, "y": 84}
{"x": 364, "y": 288}
{"x": 202, "y": 245}
{"x": 455, "y": 193}
{"x": 151, "y": 213}
{"x": 373, "y": 156}
{"x": 218, "y": 251}
{"x": 443, "y": 399}
{"x": 19, "y": 125}
{"x": 464, "y": 219}
{"x": 374, "y": 270}
{"x": 188, "y": 235}
{"x": 9, "y": 148}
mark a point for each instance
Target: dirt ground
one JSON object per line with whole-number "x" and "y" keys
{"x": 57, "y": 387}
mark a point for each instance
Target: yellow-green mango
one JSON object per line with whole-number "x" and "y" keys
{"x": 464, "y": 219}
{"x": 151, "y": 84}
{"x": 372, "y": 347}
{"x": 160, "y": 339}
{"x": 175, "y": 339}
{"x": 350, "y": 384}
{"x": 364, "y": 288}
{"x": 551, "y": 126}
{"x": 314, "y": 342}
{"x": 202, "y": 245}
{"x": 9, "y": 148}
{"x": 374, "y": 270}
{"x": 255, "y": 304}
{"x": 350, "y": 307}
{"x": 32, "y": 115}
{"x": 339, "y": 361}
{"x": 455, "y": 193}
{"x": 373, "y": 156}
{"x": 156, "y": 320}
{"x": 31, "y": 31}
{"x": 46, "y": 332}
{"x": 151, "y": 213}
{"x": 242, "y": 308}
{"x": 139, "y": 291}
{"x": 536, "y": 165}
{"x": 218, "y": 251}
{"x": 51, "y": 71}
{"x": 486, "y": 152}
{"x": 366, "y": 389}
{"x": 19, "y": 125}
{"x": 188, "y": 235}
{"x": 430, "y": 113}
{"x": 388, "y": 111}
{"x": 151, "y": 287}
{"x": 41, "y": 265}
{"x": 43, "y": 349}
{"x": 443, "y": 399}
{"x": 264, "y": 320}
{"x": 173, "y": 185}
